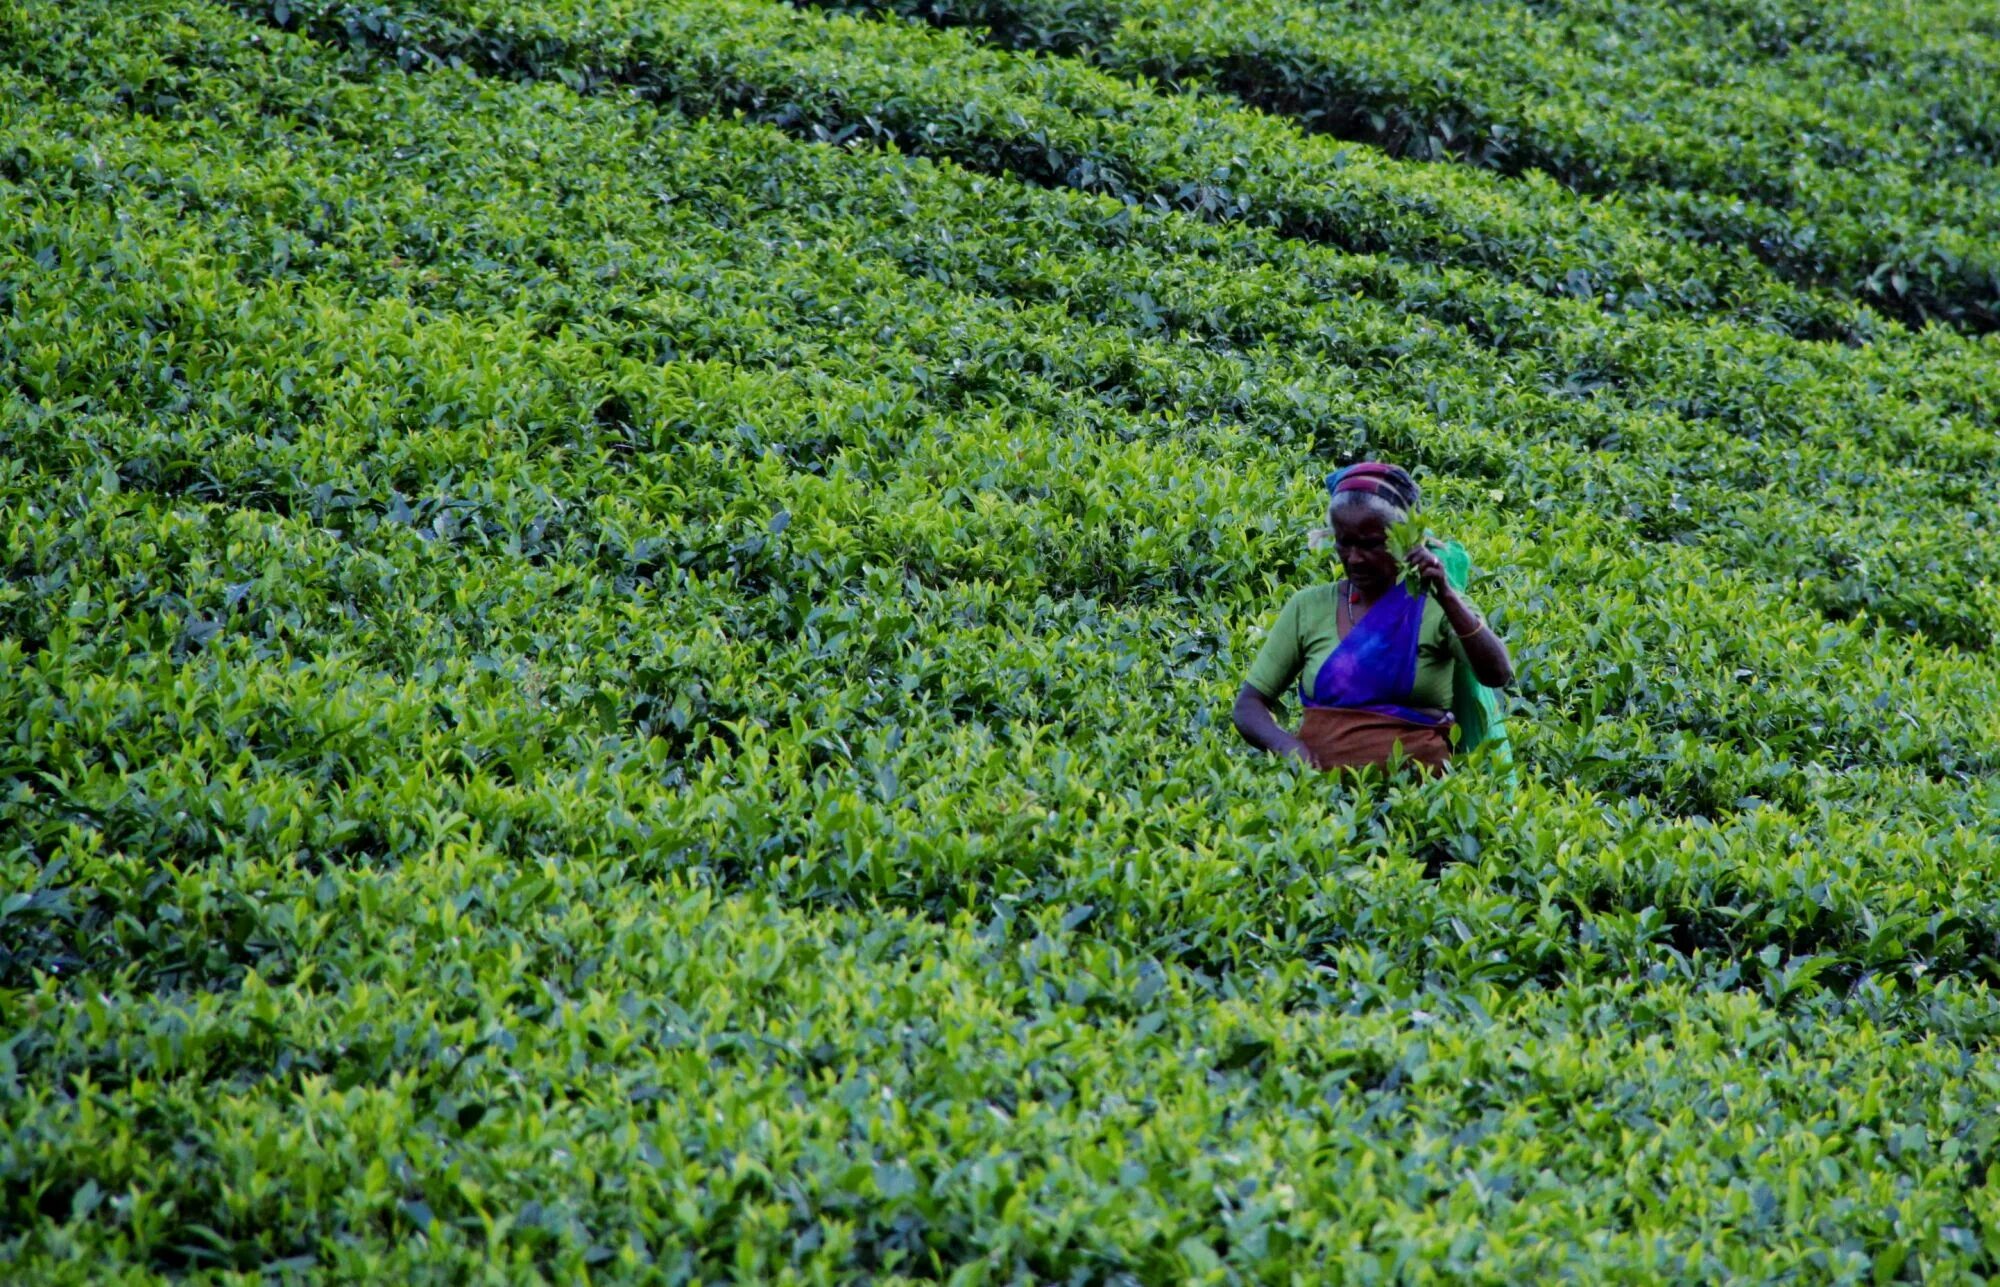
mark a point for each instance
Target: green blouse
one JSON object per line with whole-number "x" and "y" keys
{"x": 1305, "y": 634}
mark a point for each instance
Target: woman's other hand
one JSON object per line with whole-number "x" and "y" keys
{"x": 1256, "y": 718}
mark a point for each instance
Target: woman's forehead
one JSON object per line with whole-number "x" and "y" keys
{"x": 1360, "y": 521}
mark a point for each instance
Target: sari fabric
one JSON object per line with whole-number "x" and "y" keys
{"x": 1342, "y": 738}
{"x": 1374, "y": 666}
{"x": 1475, "y": 706}
{"x": 1357, "y": 711}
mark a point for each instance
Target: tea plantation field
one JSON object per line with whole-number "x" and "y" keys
{"x": 619, "y": 616}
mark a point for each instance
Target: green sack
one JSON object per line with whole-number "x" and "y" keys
{"x": 1475, "y": 706}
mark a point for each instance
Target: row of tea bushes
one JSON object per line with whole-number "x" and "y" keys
{"x": 1948, "y": 608}
{"x": 1660, "y": 701}
{"x": 1057, "y": 122}
{"x": 600, "y": 695}
{"x": 1881, "y": 187}
{"x": 1203, "y": 385}
{"x": 632, "y": 1078}
{"x": 1837, "y": 725}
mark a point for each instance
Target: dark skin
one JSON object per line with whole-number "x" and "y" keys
{"x": 1361, "y": 539}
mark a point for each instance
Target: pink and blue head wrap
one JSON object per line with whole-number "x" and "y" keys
{"x": 1391, "y": 482}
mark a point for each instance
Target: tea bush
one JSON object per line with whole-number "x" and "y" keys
{"x": 1061, "y": 123}
{"x": 599, "y": 687}
{"x": 1764, "y": 127}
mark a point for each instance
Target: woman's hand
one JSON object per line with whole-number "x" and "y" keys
{"x": 1256, "y": 718}
{"x": 1430, "y": 571}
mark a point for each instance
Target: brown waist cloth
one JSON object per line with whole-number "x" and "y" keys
{"x": 1338, "y": 737}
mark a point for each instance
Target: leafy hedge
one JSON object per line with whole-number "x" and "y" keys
{"x": 1880, "y": 185}
{"x": 1060, "y": 123}
{"x": 1936, "y": 570}
{"x": 600, "y": 693}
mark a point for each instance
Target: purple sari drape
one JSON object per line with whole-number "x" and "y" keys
{"x": 1374, "y": 668}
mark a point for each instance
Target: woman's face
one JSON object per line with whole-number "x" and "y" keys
{"x": 1361, "y": 539}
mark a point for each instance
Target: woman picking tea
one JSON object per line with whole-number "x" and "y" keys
{"x": 1383, "y": 672}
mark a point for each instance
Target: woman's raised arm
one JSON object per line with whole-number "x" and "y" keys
{"x": 1484, "y": 648}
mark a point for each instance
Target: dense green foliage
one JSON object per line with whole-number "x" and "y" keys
{"x": 616, "y": 639}
{"x": 1846, "y": 146}
{"x": 940, "y": 94}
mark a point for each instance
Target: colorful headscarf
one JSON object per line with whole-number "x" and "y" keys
{"x": 1391, "y": 482}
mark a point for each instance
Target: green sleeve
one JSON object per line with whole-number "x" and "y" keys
{"x": 1279, "y": 660}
